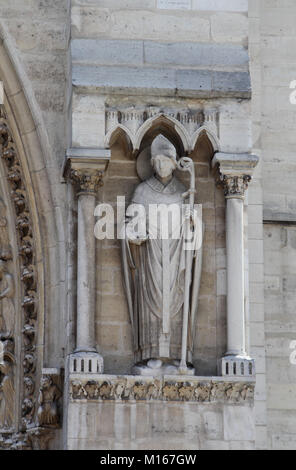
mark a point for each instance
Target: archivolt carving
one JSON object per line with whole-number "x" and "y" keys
{"x": 27, "y": 275}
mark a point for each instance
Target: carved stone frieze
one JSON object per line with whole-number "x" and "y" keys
{"x": 131, "y": 388}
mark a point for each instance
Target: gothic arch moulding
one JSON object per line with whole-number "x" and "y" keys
{"x": 183, "y": 128}
{"x": 26, "y": 194}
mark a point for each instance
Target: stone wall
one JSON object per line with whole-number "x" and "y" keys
{"x": 255, "y": 275}
{"x": 109, "y": 412}
{"x": 280, "y": 331}
{"x": 273, "y": 67}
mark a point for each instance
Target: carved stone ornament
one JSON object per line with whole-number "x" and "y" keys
{"x": 135, "y": 121}
{"x": 28, "y": 286}
{"x": 234, "y": 186}
{"x": 15, "y": 441}
{"x": 87, "y": 181}
{"x": 48, "y": 401}
{"x": 132, "y": 388}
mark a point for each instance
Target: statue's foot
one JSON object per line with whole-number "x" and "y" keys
{"x": 158, "y": 368}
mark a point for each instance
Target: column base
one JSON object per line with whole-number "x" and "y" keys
{"x": 237, "y": 366}
{"x": 86, "y": 362}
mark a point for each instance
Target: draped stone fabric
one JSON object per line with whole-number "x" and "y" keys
{"x": 155, "y": 282}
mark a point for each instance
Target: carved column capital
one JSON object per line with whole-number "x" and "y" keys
{"x": 235, "y": 186}
{"x": 235, "y": 172}
{"x": 85, "y": 168}
{"x": 86, "y": 181}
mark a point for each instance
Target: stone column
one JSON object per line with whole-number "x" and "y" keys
{"x": 86, "y": 174}
{"x": 234, "y": 194}
{"x": 235, "y": 172}
{"x": 87, "y": 183}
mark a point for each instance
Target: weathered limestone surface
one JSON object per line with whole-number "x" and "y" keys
{"x": 271, "y": 40}
{"x": 280, "y": 331}
{"x": 126, "y": 412}
{"x": 206, "y": 55}
{"x": 278, "y": 69}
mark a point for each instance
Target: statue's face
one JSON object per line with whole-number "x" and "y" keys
{"x": 163, "y": 166}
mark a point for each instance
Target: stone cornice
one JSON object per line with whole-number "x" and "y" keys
{"x": 235, "y": 164}
{"x": 168, "y": 388}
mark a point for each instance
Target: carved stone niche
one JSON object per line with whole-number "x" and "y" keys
{"x": 50, "y": 394}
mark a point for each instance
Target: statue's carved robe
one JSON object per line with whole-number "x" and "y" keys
{"x": 6, "y": 396}
{"x": 7, "y": 312}
{"x": 154, "y": 274}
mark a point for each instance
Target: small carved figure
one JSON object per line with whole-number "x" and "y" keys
{"x": 119, "y": 389}
{"x": 186, "y": 392}
{"x": 6, "y": 394}
{"x": 105, "y": 390}
{"x": 29, "y": 386}
{"x": 233, "y": 393}
{"x": 5, "y": 250}
{"x": 29, "y": 333}
{"x": 77, "y": 389}
{"x": 7, "y": 315}
{"x": 48, "y": 402}
{"x": 218, "y": 392}
{"x": 203, "y": 392}
{"x": 27, "y": 410}
{"x": 153, "y": 391}
{"x": 139, "y": 391}
{"x": 91, "y": 389}
{"x": 29, "y": 364}
{"x": 170, "y": 392}
{"x": 247, "y": 392}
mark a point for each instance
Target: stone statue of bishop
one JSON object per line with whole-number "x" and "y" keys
{"x": 154, "y": 270}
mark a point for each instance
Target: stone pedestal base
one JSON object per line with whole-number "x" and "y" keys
{"x": 237, "y": 366}
{"x": 169, "y": 413}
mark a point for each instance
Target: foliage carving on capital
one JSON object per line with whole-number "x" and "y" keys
{"x": 234, "y": 186}
{"x": 87, "y": 181}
